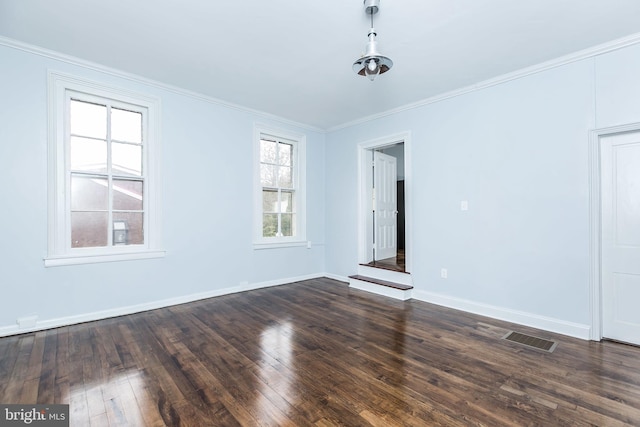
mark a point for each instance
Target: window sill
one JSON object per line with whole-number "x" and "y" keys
{"x": 277, "y": 245}
{"x": 93, "y": 259}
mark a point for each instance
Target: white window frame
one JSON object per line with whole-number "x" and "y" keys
{"x": 60, "y": 252}
{"x": 299, "y": 142}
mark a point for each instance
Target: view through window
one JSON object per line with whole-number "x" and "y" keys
{"x": 277, "y": 176}
{"x": 106, "y": 173}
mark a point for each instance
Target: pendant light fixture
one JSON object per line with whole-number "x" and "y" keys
{"x": 372, "y": 62}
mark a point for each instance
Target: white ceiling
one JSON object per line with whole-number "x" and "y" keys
{"x": 292, "y": 58}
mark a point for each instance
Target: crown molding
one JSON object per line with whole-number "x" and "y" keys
{"x": 591, "y": 52}
{"x": 524, "y": 72}
{"x": 47, "y": 53}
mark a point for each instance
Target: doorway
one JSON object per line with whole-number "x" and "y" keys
{"x": 617, "y": 260}
{"x": 383, "y": 218}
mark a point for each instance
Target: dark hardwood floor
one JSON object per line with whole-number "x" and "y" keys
{"x": 396, "y": 263}
{"x": 317, "y": 353}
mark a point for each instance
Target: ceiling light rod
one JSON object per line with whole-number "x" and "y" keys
{"x": 372, "y": 62}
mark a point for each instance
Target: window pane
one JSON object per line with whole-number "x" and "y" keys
{"x": 287, "y": 224}
{"x": 269, "y": 201}
{"x": 126, "y": 159}
{"x": 269, "y": 225}
{"x": 285, "y": 154}
{"x": 127, "y": 195}
{"x": 128, "y": 228}
{"x": 126, "y": 125}
{"x": 286, "y": 202}
{"x": 89, "y": 194}
{"x": 88, "y": 155}
{"x": 267, "y": 151}
{"x": 88, "y": 119}
{"x": 285, "y": 178}
{"x": 268, "y": 175}
{"x": 88, "y": 229}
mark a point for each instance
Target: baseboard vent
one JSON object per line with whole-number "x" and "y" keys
{"x": 530, "y": 341}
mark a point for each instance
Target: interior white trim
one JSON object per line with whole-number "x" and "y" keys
{"x": 337, "y": 277}
{"x": 59, "y": 250}
{"x": 563, "y": 60}
{"x": 364, "y": 197}
{"x": 40, "y": 51}
{"x": 385, "y": 291}
{"x": 78, "y": 260}
{"x": 278, "y": 245}
{"x": 123, "y": 311}
{"x": 299, "y": 141}
{"x": 572, "y": 329}
{"x": 524, "y": 72}
{"x": 595, "y": 222}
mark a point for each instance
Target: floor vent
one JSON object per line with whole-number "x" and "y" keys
{"x": 530, "y": 341}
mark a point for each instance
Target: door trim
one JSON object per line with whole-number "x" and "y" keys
{"x": 364, "y": 196}
{"x": 595, "y": 222}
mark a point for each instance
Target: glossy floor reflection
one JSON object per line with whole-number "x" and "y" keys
{"x": 317, "y": 353}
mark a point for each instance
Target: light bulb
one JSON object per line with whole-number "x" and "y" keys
{"x": 372, "y": 69}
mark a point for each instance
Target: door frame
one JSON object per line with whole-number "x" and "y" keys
{"x": 365, "y": 194}
{"x": 595, "y": 222}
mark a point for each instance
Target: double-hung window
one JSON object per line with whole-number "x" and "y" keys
{"x": 102, "y": 166}
{"x": 280, "y": 217}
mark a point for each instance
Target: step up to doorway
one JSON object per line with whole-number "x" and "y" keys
{"x": 381, "y": 287}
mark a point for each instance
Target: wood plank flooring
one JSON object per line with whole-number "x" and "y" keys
{"x": 317, "y": 353}
{"x": 396, "y": 263}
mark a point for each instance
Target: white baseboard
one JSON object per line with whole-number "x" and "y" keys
{"x": 123, "y": 311}
{"x": 576, "y": 330}
{"x": 336, "y": 277}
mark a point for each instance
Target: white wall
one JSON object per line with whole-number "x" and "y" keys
{"x": 207, "y": 205}
{"x": 618, "y": 87}
{"x": 518, "y": 152}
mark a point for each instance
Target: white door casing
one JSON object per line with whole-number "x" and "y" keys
{"x": 620, "y": 235}
{"x": 385, "y": 205}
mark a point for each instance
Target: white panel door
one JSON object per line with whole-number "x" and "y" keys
{"x": 385, "y": 205}
{"x": 620, "y": 191}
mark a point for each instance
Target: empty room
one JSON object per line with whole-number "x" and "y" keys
{"x": 346, "y": 212}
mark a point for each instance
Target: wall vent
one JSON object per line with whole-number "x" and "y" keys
{"x": 531, "y": 341}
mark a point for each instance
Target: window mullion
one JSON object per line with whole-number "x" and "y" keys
{"x": 277, "y": 172}
{"x": 110, "y": 182}
{"x": 279, "y": 213}
{"x": 67, "y": 172}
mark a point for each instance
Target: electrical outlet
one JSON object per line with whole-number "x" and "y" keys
{"x": 444, "y": 273}
{"x": 464, "y": 205}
